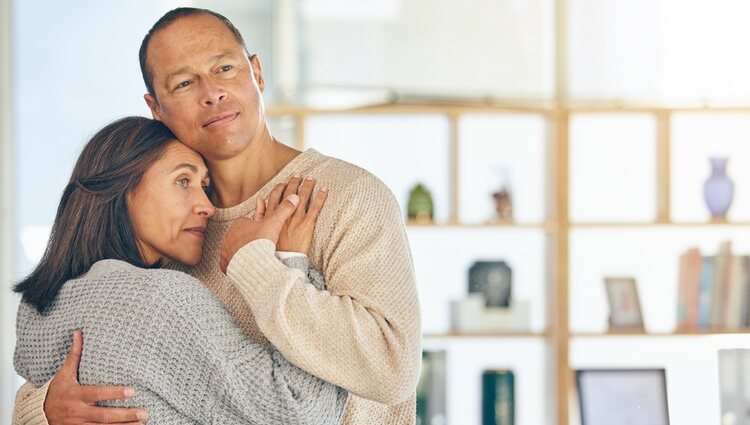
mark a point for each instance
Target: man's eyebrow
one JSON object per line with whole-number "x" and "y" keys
{"x": 218, "y": 57}
{"x": 183, "y": 70}
{"x": 186, "y": 69}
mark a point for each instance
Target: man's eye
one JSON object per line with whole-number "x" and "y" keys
{"x": 182, "y": 182}
{"x": 182, "y": 85}
{"x": 226, "y": 68}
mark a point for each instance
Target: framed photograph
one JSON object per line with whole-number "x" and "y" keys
{"x": 624, "y": 306}
{"x": 622, "y": 396}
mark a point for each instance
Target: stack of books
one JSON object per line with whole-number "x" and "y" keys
{"x": 713, "y": 290}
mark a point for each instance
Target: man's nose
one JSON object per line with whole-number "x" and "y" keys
{"x": 213, "y": 93}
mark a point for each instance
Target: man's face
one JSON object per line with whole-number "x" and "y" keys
{"x": 207, "y": 90}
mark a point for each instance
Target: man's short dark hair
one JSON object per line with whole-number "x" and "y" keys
{"x": 169, "y": 18}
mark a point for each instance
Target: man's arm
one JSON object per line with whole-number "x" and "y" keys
{"x": 364, "y": 333}
{"x": 29, "y": 408}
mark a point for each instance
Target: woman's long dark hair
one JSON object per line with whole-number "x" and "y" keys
{"x": 92, "y": 221}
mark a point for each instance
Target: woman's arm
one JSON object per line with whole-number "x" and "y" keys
{"x": 208, "y": 370}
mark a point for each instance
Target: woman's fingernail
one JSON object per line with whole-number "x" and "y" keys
{"x": 308, "y": 178}
{"x": 324, "y": 189}
{"x": 296, "y": 176}
{"x": 129, "y": 392}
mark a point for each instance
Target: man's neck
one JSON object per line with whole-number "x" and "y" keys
{"x": 237, "y": 179}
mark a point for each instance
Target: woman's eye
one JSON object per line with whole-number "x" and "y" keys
{"x": 182, "y": 182}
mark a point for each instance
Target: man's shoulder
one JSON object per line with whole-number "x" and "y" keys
{"x": 339, "y": 175}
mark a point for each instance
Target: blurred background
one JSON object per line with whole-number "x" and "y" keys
{"x": 539, "y": 148}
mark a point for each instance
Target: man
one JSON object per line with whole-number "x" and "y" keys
{"x": 363, "y": 333}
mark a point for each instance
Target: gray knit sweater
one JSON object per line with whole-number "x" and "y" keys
{"x": 162, "y": 332}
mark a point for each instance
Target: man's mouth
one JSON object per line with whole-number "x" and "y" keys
{"x": 220, "y": 119}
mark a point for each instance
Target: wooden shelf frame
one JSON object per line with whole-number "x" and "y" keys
{"x": 486, "y": 335}
{"x": 676, "y": 333}
{"x": 557, "y": 226}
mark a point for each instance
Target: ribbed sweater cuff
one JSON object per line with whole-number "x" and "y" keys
{"x": 31, "y": 410}
{"x": 256, "y": 272}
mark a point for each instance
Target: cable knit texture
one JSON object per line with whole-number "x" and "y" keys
{"x": 364, "y": 334}
{"x": 164, "y": 333}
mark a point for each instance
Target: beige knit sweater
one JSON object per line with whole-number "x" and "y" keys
{"x": 363, "y": 334}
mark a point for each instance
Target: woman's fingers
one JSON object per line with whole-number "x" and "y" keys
{"x": 304, "y": 193}
{"x": 292, "y": 187}
{"x": 317, "y": 204}
{"x": 274, "y": 198}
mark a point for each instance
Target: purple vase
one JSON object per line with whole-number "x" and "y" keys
{"x": 718, "y": 190}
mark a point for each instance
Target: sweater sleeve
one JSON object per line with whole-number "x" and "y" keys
{"x": 205, "y": 367}
{"x": 29, "y": 408}
{"x": 364, "y": 333}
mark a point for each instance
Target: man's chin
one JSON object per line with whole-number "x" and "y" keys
{"x": 221, "y": 151}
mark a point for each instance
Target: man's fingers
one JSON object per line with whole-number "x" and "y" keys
{"x": 111, "y": 415}
{"x": 260, "y": 209}
{"x": 69, "y": 367}
{"x": 292, "y": 187}
{"x": 317, "y": 204}
{"x": 91, "y": 394}
{"x": 304, "y": 192}
{"x": 274, "y": 198}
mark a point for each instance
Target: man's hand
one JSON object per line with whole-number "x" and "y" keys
{"x": 69, "y": 402}
{"x": 297, "y": 233}
{"x": 262, "y": 226}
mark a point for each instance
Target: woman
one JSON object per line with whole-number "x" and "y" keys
{"x": 136, "y": 202}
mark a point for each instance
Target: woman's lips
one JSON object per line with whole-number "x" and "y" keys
{"x": 197, "y": 231}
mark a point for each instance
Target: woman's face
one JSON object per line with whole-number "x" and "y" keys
{"x": 169, "y": 208}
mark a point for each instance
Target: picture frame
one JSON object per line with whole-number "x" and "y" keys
{"x": 624, "y": 303}
{"x": 622, "y": 396}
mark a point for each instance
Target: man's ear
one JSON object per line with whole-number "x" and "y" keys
{"x": 153, "y": 105}
{"x": 257, "y": 72}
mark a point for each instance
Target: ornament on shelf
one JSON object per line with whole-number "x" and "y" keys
{"x": 718, "y": 191}
{"x": 493, "y": 279}
{"x": 502, "y": 197}
{"x": 420, "y": 207}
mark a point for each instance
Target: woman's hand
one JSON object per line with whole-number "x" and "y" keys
{"x": 297, "y": 232}
{"x": 261, "y": 226}
{"x": 287, "y": 221}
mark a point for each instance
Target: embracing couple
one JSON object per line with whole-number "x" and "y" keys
{"x": 216, "y": 275}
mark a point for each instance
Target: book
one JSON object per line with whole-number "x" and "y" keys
{"x": 734, "y": 378}
{"x": 689, "y": 285}
{"x": 719, "y": 284}
{"x": 431, "y": 389}
{"x": 498, "y": 397}
{"x": 704, "y": 292}
{"x": 736, "y": 298}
